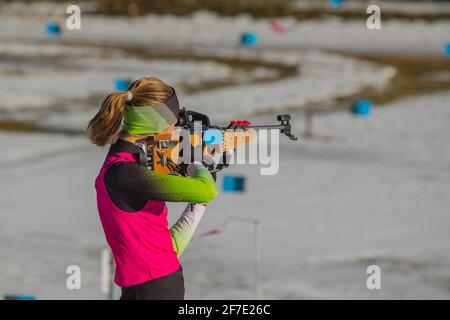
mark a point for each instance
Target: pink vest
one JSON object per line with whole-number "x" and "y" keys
{"x": 140, "y": 241}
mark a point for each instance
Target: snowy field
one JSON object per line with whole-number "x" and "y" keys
{"x": 375, "y": 191}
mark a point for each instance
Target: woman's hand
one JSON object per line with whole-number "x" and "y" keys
{"x": 192, "y": 168}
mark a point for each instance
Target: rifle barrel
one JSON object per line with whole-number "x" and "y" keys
{"x": 270, "y": 126}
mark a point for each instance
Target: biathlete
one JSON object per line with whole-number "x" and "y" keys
{"x": 131, "y": 198}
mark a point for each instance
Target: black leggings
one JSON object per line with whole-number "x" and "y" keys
{"x": 170, "y": 287}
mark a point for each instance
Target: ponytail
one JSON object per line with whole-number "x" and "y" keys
{"x": 103, "y": 128}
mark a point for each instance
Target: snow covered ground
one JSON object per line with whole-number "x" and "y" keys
{"x": 375, "y": 191}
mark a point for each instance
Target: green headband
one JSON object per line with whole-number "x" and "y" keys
{"x": 147, "y": 120}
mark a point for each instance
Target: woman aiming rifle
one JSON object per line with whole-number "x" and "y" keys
{"x": 131, "y": 199}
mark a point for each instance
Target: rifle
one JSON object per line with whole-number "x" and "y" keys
{"x": 163, "y": 150}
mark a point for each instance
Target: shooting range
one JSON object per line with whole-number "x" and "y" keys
{"x": 249, "y": 39}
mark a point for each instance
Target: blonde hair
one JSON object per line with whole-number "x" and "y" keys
{"x": 104, "y": 127}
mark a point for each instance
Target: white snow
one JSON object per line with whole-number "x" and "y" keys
{"x": 376, "y": 193}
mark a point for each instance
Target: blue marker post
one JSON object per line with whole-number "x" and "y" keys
{"x": 122, "y": 84}
{"x": 249, "y": 40}
{"x": 52, "y": 29}
{"x": 447, "y": 49}
{"x": 233, "y": 183}
{"x": 336, "y": 3}
{"x": 362, "y": 108}
{"x": 18, "y": 297}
